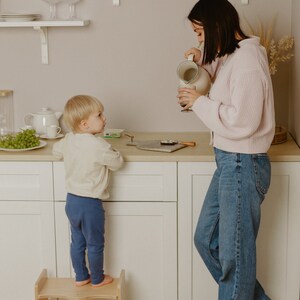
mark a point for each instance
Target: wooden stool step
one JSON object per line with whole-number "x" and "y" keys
{"x": 64, "y": 288}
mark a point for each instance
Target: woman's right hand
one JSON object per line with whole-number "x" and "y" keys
{"x": 196, "y": 52}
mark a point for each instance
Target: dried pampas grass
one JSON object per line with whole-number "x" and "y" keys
{"x": 277, "y": 51}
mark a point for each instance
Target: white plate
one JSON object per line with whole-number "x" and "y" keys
{"x": 41, "y": 145}
{"x": 44, "y": 136}
{"x": 19, "y": 17}
{"x": 17, "y": 14}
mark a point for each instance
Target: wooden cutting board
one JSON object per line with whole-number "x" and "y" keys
{"x": 156, "y": 146}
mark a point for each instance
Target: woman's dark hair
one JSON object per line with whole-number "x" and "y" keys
{"x": 221, "y": 24}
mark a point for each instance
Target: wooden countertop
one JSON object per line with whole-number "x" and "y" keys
{"x": 203, "y": 152}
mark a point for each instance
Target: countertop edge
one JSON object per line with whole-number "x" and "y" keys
{"x": 203, "y": 152}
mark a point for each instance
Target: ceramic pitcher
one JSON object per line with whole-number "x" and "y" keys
{"x": 193, "y": 76}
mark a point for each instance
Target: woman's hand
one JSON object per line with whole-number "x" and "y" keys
{"x": 196, "y": 52}
{"x": 187, "y": 97}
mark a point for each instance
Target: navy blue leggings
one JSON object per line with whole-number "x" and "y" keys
{"x": 87, "y": 218}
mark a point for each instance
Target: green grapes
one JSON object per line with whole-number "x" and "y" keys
{"x": 20, "y": 140}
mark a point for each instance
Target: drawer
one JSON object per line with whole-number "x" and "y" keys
{"x": 26, "y": 181}
{"x": 136, "y": 181}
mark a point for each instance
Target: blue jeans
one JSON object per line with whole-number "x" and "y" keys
{"x": 227, "y": 228}
{"x": 87, "y": 217}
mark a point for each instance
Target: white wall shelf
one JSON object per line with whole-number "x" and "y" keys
{"x": 42, "y": 27}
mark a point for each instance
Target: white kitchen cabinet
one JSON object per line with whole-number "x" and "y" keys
{"x": 155, "y": 182}
{"x": 26, "y": 181}
{"x": 148, "y": 233}
{"x": 278, "y": 240}
{"x": 26, "y": 227}
{"x": 141, "y": 229}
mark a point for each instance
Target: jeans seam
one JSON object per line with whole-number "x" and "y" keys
{"x": 237, "y": 273}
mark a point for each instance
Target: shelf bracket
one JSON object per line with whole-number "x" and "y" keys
{"x": 44, "y": 43}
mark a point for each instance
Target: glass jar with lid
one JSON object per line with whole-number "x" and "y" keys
{"x": 6, "y": 112}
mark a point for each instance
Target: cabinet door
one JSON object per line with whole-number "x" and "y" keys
{"x": 27, "y": 246}
{"x": 140, "y": 238}
{"x": 194, "y": 281}
{"x": 136, "y": 181}
{"x": 26, "y": 181}
{"x": 278, "y": 241}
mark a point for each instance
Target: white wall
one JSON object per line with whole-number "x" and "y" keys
{"x": 127, "y": 57}
{"x": 295, "y": 100}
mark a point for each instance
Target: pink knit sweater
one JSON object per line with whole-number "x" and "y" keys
{"x": 239, "y": 109}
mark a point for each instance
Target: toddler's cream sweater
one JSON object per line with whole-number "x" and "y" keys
{"x": 88, "y": 160}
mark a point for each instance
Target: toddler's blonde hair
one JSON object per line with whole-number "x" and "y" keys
{"x": 79, "y": 108}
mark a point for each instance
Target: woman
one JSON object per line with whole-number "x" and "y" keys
{"x": 239, "y": 111}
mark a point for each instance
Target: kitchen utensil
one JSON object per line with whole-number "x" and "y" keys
{"x": 155, "y": 145}
{"x": 52, "y": 131}
{"x": 16, "y": 17}
{"x": 6, "y": 112}
{"x": 72, "y": 8}
{"x": 52, "y": 8}
{"x": 193, "y": 76}
{"x": 185, "y": 103}
{"x": 42, "y": 119}
{"x": 112, "y": 133}
{"x": 131, "y": 137}
{"x": 41, "y": 145}
{"x": 46, "y": 137}
{"x": 174, "y": 142}
{"x": 160, "y": 145}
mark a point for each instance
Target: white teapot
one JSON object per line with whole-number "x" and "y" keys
{"x": 40, "y": 120}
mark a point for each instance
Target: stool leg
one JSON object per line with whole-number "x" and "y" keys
{"x": 39, "y": 283}
{"x": 121, "y": 286}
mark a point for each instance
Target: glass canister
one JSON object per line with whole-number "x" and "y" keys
{"x": 6, "y": 112}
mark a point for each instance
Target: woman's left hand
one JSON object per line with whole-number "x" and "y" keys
{"x": 187, "y": 97}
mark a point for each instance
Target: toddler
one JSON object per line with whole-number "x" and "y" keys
{"x": 88, "y": 159}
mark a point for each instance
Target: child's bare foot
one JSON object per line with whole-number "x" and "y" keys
{"x": 107, "y": 280}
{"x": 82, "y": 283}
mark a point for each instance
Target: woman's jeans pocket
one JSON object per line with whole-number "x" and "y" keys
{"x": 262, "y": 173}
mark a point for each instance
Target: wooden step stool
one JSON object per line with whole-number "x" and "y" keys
{"x": 64, "y": 288}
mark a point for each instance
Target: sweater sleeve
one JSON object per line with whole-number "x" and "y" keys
{"x": 241, "y": 118}
{"x": 109, "y": 157}
{"x": 112, "y": 159}
{"x": 57, "y": 149}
